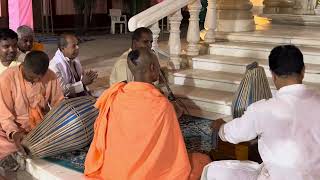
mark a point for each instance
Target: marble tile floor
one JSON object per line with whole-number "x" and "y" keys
{"x": 101, "y": 53}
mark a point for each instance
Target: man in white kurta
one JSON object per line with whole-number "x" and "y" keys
{"x": 67, "y": 66}
{"x": 287, "y": 127}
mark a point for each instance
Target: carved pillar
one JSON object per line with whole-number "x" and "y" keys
{"x": 317, "y": 9}
{"x": 289, "y": 6}
{"x": 155, "y": 34}
{"x": 174, "y": 40}
{"x": 271, "y": 6}
{"x": 193, "y": 29}
{"x": 210, "y": 23}
{"x": 234, "y": 16}
{"x": 305, "y": 7}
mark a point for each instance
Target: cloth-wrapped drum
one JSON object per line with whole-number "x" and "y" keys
{"x": 253, "y": 87}
{"x": 66, "y": 127}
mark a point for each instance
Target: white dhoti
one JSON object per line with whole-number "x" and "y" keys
{"x": 232, "y": 170}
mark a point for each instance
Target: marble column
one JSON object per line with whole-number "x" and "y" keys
{"x": 155, "y": 34}
{"x": 193, "y": 36}
{"x": 174, "y": 40}
{"x": 305, "y": 7}
{"x": 271, "y": 6}
{"x": 286, "y": 6}
{"x": 317, "y": 9}
{"x": 210, "y": 23}
{"x": 234, "y": 16}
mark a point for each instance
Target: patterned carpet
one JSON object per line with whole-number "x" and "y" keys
{"x": 196, "y": 132}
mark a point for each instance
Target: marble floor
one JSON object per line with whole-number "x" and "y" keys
{"x": 265, "y": 28}
{"x": 100, "y": 53}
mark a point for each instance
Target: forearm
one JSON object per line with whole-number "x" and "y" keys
{"x": 70, "y": 88}
{"x": 9, "y": 127}
{"x": 238, "y": 130}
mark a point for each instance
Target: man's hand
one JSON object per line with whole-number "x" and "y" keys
{"x": 89, "y": 77}
{"x": 217, "y": 124}
{"x": 17, "y": 138}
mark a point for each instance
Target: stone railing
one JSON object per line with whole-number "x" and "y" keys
{"x": 172, "y": 10}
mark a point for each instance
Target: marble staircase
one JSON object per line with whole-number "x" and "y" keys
{"x": 207, "y": 89}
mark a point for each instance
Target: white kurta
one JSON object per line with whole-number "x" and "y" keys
{"x": 288, "y": 128}
{"x": 60, "y": 65}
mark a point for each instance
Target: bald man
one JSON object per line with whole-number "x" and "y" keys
{"x": 67, "y": 66}
{"x": 141, "y": 37}
{"x": 138, "y": 117}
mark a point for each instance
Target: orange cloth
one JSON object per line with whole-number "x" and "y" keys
{"x": 35, "y": 113}
{"x": 35, "y": 116}
{"x": 37, "y": 46}
{"x": 137, "y": 136}
{"x": 198, "y": 161}
{"x": 17, "y": 97}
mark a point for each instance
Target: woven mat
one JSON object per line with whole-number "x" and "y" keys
{"x": 196, "y": 132}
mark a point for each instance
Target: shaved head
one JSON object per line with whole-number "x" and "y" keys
{"x": 144, "y": 65}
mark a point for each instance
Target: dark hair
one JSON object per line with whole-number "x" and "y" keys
{"x": 286, "y": 60}
{"x": 6, "y": 34}
{"x": 37, "y": 62}
{"x": 62, "y": 40}
{"x": 138, "y": 32}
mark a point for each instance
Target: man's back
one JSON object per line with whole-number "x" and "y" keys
{"x": 289, "y": 133}
{"x": 143, "y": 138}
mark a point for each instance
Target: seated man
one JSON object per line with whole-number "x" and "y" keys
{"x": 137, "y": 134}
{"x": 26, "y": 93}
{"x": 287, "y": 127}
{"x": 8, "y": 49}
{"x": 25, "y": 41}
{"x": 68, "y": 69}
{"x": 141, "y": 37}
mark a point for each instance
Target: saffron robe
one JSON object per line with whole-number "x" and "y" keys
{"x": 16, "y": 96}
{"x": 137, "y": 136}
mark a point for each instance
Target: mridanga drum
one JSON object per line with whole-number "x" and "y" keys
{"x": 253, "y": 87}
{"x": 65, "y": 128}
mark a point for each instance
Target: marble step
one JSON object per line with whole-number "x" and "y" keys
{"x": 238, "y": 65}
{"x": 44, "y": 170}
{"x": 294, "y": 19}
{"x": 270, "y": 37}
{"x": 197, "y": 112}
{"x": 216, "y": 80}
{"x": 258, "y": 50}
{"x": 202, "y": 99}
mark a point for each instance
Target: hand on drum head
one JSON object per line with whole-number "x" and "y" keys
{"x": 17, "y": 138}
